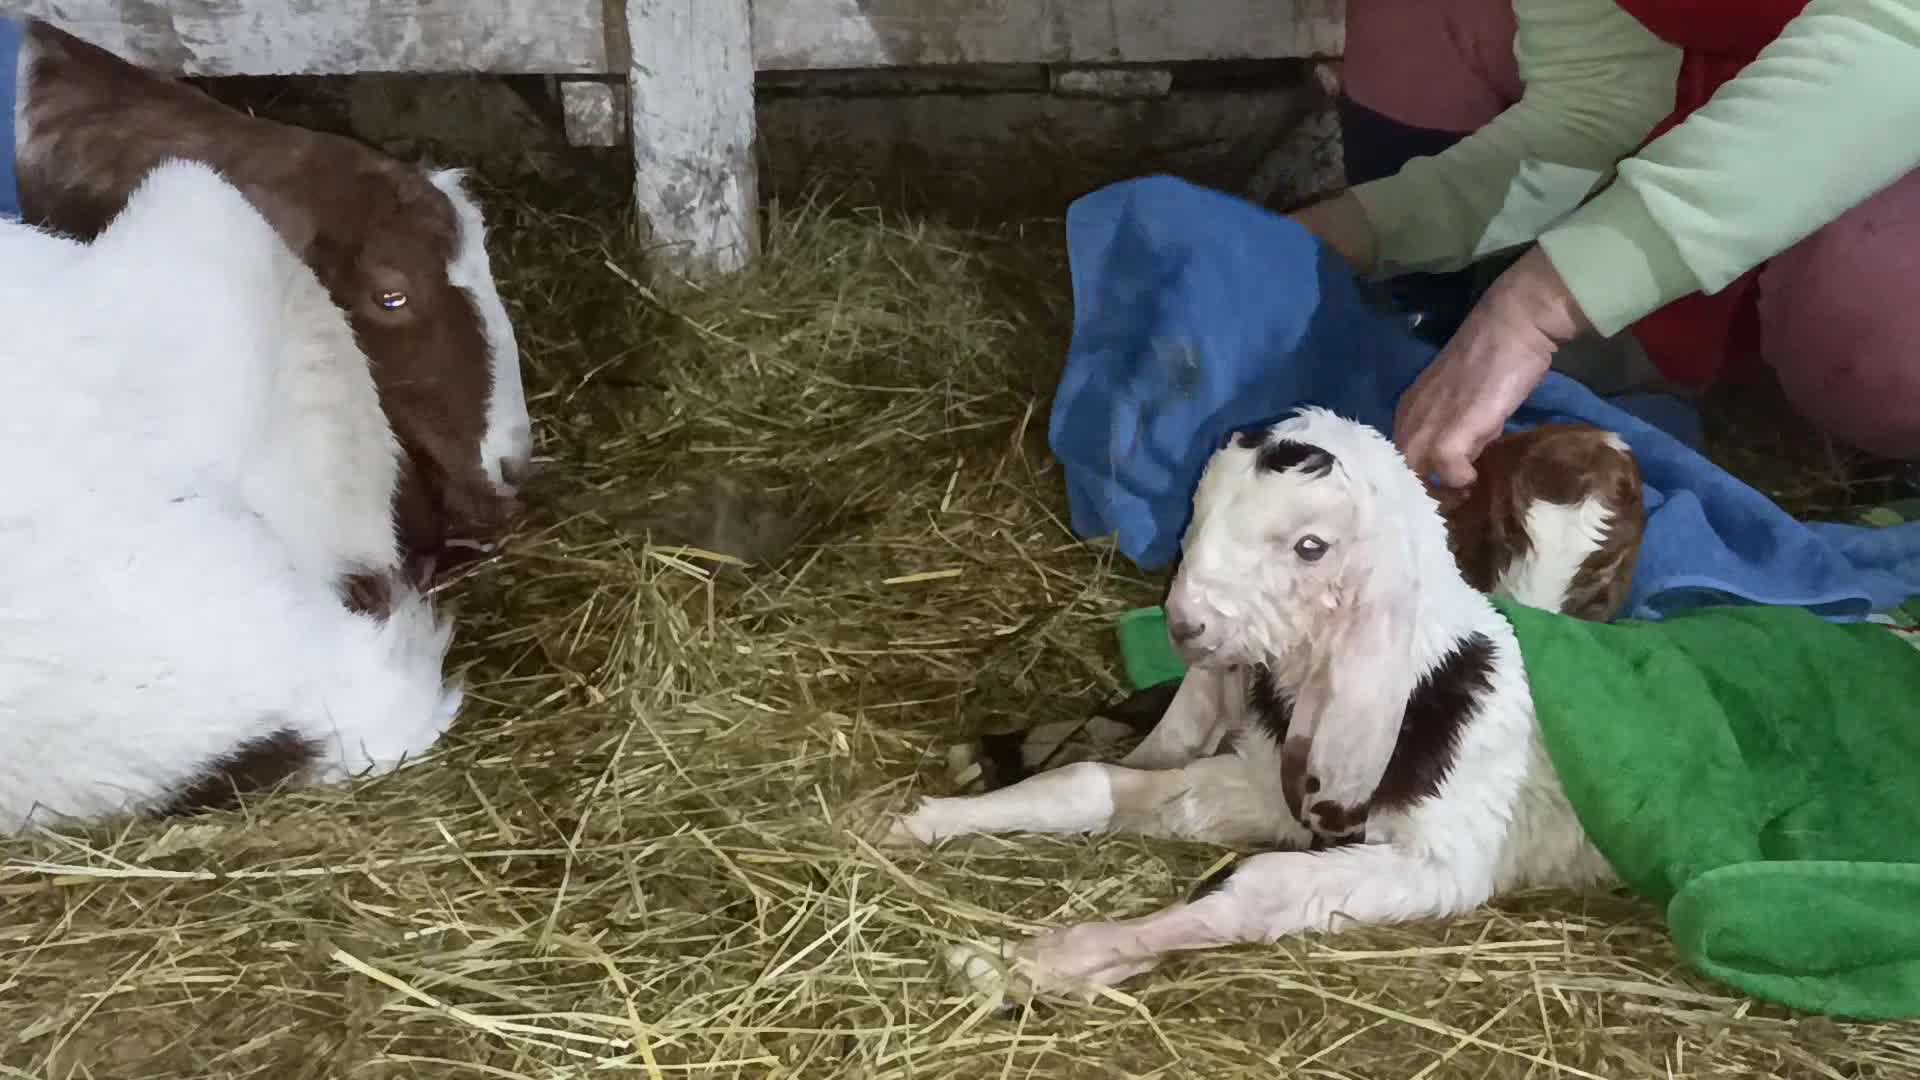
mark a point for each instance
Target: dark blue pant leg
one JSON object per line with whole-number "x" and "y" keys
{"x": 1375, "y": 146}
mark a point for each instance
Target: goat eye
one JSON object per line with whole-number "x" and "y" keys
{"x": 1310, "y": 548}
{"x": 392, "y": 299}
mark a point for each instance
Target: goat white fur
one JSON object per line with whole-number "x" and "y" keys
{"x": 1316, "y": 570}
{"x": 195, "y": 459}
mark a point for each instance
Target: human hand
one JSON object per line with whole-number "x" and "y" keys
{"x": 1483, "y": 375}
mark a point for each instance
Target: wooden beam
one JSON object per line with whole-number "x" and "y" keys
{"x": 589, "y": 37}
{"x": 691, "y": 97}
{"x": 342, "y": 37}
{"x": 823, "y": 34}
{"x": 689, "y": 64}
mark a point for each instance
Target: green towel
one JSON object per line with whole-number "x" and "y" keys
{"x": 1146, "y": 650}
{"x": 1755, "y": 771}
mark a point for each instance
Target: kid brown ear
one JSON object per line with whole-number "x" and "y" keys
{"x": 293, "y": 222}
{"x": 1449, "y": 499}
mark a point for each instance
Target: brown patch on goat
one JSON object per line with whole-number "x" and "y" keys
{"x": 1286, "y": 455}
{"x": 368, "y": 594}
{"x": 1333, "y": 824}
{"x": 1437, "y": 712}
{"x": 1294, "y": 781}
{"x": 254, "y": 766}
{"x": 367, "y": 224}
{"x": 1600, "y": 587}
{"x": 1560, "y": 464}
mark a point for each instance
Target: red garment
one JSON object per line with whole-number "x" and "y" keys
{"x": 1691, "y": 339}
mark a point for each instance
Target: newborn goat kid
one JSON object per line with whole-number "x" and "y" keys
{"x": 1317, "y": 591}
{"x": 1554, "y": 520}
{"x": 401, "y": 249}
{"x": 200, "y": 588}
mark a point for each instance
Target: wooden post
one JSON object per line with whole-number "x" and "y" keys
{"x": 691, "y": 89}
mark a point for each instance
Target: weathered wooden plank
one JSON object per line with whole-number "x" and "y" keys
{"x": 1113, "y": 83}
{"x": 588, "y": 37}
{"x": 691, "y": 95}
{"x": 342, "y": 37}
{"x": 812, "y": 34}
{"x": 689, "y": 64}
{"x": 1031, "y": 153}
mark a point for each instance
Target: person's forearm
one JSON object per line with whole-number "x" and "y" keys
{"x": 1597, "y": 82}
{"x": 1826, "y": 117}
{"x": 1341, "y": 225}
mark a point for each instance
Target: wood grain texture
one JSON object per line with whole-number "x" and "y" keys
{"x": 691, "y": 98}
{"x": 339, "y": 37}
{"x": 590, "y": 37}
{"x": 811, "y": 34}
{"x": 689, "y": 64}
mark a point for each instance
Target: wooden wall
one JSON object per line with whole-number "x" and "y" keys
{"x": 680, "y": 75}
{"x": 590, "y": 37}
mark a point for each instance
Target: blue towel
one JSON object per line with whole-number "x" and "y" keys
{"x": 1198, "y": 314}
{"x": 11, "y": 30}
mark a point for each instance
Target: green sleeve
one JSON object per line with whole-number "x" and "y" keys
{"x": 1596, "y": 83}
{"x": 1823, "y": 119}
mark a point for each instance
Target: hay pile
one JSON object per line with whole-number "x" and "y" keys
{"x": 631, "y": 856}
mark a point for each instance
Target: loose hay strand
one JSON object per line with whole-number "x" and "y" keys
{"x": 641, "y": 849}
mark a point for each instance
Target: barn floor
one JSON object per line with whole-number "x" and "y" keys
{"x": 632, "y": 855}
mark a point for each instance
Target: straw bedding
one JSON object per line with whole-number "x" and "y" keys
{"x": 633, "y": 855}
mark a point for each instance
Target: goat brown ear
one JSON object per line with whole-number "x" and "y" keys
{"x": 292, "y": 221}
{"x": 1449, "y": 498}
{"x": 419, "y": 524}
